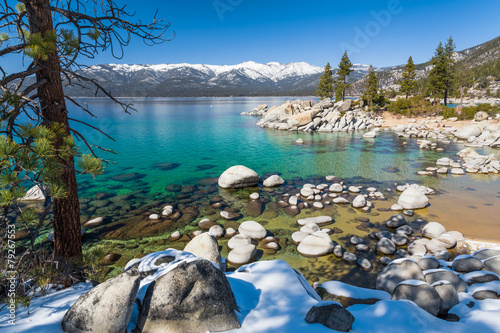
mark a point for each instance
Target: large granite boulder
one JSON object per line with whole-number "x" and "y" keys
{"x": 436, "y": 275}
{"x": 492, "y": 264}
{"x": 421, "y": 293}
{"x": 332, "y": 315}
{"x": 448, "y": 295}
{"x": 205, "y": 246}
{"x": 466, "y": 263}
{"x": 301, "y": 119}
{"x": 345, "y": 105}
{"x": 105, "y": 308}
{"x": 238, "y": 176}
{"x": 397, "y": 271}
{"x": 468, "y": 131}
{"x": 193, "y": 297}
{"x": 413, "y": 198}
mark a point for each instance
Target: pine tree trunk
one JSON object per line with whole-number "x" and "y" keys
{"x": 67, "y": 238}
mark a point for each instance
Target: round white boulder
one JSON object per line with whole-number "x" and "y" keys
{"x": 238, "y": 176}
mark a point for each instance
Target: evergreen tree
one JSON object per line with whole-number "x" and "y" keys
{"x": 341, "y": 83}
{"x": 53, "y": 35}
{"x": 371, "y": 95}
{"x": 409, "y": 83}
{"x": 464, "y": 80}
{"x": 325, "y": 86}
{"x": 441, "y": 76}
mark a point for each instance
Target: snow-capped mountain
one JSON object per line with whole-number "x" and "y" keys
{"x": 248, "y": 78}
{"x": 245, "y": 79}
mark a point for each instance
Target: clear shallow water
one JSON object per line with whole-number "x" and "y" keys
{"x": 191, "y": 141}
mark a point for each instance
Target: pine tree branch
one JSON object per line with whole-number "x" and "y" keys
{"x": 12, "y": 48}
{"x": 19, "y": 75}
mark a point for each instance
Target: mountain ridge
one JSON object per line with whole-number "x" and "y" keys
{"x": 248, "y": 78}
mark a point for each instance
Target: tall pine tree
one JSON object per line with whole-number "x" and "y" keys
{"x": 441, "y": 76}
{"x": 371, "y": 95}
{"x": 409, "y": 83}
{"x": 325, "y": 86}
{"x": 343, "y": 72}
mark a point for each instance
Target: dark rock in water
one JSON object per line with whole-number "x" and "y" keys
{"x": 208, "y": 181}
{"x": 105, "y": 308}
{"x": 193, "y": 297}
{"x": 167, "y": 166}
{"x": 173, "y": 188}
{"x": 254, "y": 208}
{"x": 332, "y": 315}
{"x": 396, "y": 221}
{"x": 230, "y": 214}
{"x": 337, "y": 230}
{"x": 362, "y": 219}
{"x": 391, "y": 170}
{"x": 205, "y": 167}
{"x": 101, "y": 195}
{"x": 128, "y": 177}
{"x": 291, "y": 210}
{"x": 109, "y": 259}
{"x": 188, "y": 188}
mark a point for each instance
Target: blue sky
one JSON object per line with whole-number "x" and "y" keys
{"x": 375, "y": 32}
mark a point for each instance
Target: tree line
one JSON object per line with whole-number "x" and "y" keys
{"x": 446, "y": 77}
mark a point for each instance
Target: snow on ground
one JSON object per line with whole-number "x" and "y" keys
{"x": 273, "y": 297}
{"x": 345, "y": 290}
{"x": 45, "y": 313}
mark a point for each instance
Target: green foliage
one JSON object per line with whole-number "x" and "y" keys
{"x": 413, "y": 106}
{"x": 94, "y": 34}
{"x": 20, "y": 7}
{"x": 69, "y": 42}
{"x": 90, "y": 164}
{"x": 468, "y": 112}
{"x": 341, "y": 83}
{"x": 325, "y": 86}
{"x": 409, "y": 83}
{"x": 39, "y": 47}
